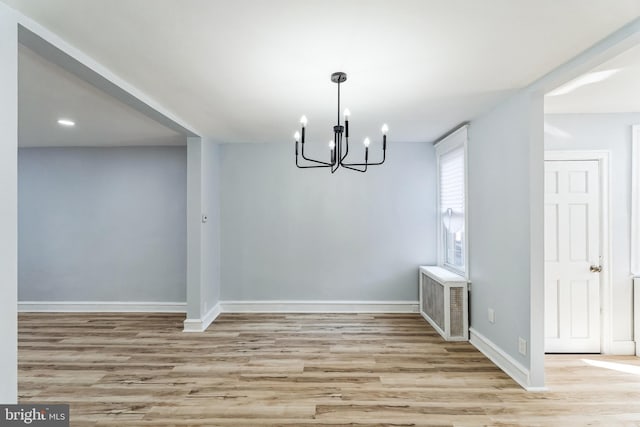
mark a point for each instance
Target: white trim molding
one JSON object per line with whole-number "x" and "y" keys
{"x": 622, "y": 348}
{"x": 606, "y": 278}
{"x": 636, "y": 314}
{"x": 502, "y": 360}
{"x": 635, "y": 200}
{"x": 292, "y": 306}
{"x": 101, "y": 307}
{"x": 249, "y": 306}
{"x": 201, "y": 325}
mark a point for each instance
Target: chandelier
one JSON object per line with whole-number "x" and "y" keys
{"x": 339, "y": 146}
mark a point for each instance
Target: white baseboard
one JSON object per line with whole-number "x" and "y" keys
{"x": 292, "y": 306}
{"x": 260, "y": 306}
{"x": 622, "y": 348}
{"x": 101, "y": 307}
{"x": 502, "y": 360}
{"x": 201, "y": 325}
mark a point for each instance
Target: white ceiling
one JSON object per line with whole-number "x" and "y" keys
{"x": 619, "y": 93}
{"x": 47, "y": 93}
{"x": 246, "y": 70}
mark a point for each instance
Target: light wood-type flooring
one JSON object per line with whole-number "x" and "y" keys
{"x": 301, "y": 370}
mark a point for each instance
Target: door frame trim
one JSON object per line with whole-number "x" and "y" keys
{"x": 635, "y": 200}
{"x": 606, "y": 308}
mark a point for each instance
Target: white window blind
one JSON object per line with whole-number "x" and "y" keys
{"x": 452, "y": 190}
{"x": 452, "y": 209}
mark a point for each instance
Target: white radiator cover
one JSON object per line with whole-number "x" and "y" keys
{"x": 444, "y": 302}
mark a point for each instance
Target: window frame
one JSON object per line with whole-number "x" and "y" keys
{"x": 455, "y": 140}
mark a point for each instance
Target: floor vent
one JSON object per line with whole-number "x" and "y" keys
{"x": 444, "y": 302}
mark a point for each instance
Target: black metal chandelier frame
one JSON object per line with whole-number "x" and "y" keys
{"x": 339, "y": 144}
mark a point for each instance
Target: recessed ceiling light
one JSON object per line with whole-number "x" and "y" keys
{"x": 66, "y": 122}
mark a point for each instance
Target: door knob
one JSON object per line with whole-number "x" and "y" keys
{"x": 595, "y": 268}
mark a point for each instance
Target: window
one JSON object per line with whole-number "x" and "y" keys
{"x": 451, "y": 153}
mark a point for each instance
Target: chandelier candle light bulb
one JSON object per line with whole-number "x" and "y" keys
{"x": 339, "y": 146}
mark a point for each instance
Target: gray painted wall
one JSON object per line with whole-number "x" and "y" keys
{"x": 8, "y": 205}
{"x": 502, "y": 252}
{"x": 292, "y": 234}
{"x": 102, "y": 224}
{"x": 610, "y": 132}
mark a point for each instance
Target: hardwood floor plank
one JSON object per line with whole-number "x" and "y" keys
{"x": 118, "y": 369}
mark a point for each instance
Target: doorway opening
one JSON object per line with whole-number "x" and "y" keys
{"x": 588, "y": 126}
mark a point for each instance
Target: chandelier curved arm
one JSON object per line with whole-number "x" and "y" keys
{"x": 322, "y": 165}
{"x": 355, "y": 169}
{"x": 310, "y": 166}
{"x": 335, "y": 165}
{"x": 365, "y": 164}
{"x": 302, "y": 151}
{"x": 384, "y": 157}
{"x": 346, "y": 151}
{"x": 336, "y": 151}
{"x": 312, "y": 160}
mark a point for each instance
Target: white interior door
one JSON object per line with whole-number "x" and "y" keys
{"x": 572, "y": 256}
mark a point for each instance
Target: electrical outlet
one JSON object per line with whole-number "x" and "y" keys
{"x": 522, "y": 346}
{"x": 492, "y": 315}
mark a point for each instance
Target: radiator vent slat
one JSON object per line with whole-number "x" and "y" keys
{"x": 444, "y": 302}
{"x": 434, "y": 300}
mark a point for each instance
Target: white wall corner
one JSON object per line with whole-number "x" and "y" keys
{"x": 502, "y": 360}
{"x": 8, "y": 205}
{"x": 536, "y": 242}
{"x": 194, "y": 227}
{"x": 201, "y": 325}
